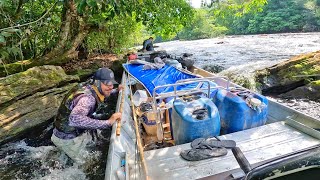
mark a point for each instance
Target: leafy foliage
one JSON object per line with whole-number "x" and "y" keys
{"x": 201, "y": 27}
{"x": 27, "y": 41}
{"x": 116, "y": 35}
{"x": 119, "y": 21}
{"x": 236, "y": 8}
{"x": 165, "y": 18}
{"x": 219, "y": 17}
{"x": 276, "y": 17}
{"x": 283, "y": 16}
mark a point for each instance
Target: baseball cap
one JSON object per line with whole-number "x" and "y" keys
{"x": 105, "y": 75}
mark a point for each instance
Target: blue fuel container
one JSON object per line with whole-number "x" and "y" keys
{"x": 235, "y": 113}
{"x": 194, "y": 119}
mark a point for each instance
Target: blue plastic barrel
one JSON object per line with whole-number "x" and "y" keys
{"x": 187, "y": 126}
{"x": 235, "y": 113}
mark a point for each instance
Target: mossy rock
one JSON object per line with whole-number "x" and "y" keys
{"x": 290, "y": 74}
{"x": 83, "y": 74}
{"x": 311, "y": 91}
{"x": 315, "y": 84}
{"x": 244, "y": 80}
{"x": 30, "y": 112}
{"x": 117, "y": 68}
{"x": 15, "y": 67}
{"x": 35, "y": 79}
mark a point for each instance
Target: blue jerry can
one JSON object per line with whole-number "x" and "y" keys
{"x": 194, "y": 119}
{"x": 235, "y": 113}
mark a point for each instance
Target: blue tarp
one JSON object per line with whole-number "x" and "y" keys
{"x": 157, "y": 77}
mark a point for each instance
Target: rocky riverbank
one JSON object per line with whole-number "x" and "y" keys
{"x": 30, "y": 99}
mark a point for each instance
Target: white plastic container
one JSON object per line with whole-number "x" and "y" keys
{"x": 139, "y": 97}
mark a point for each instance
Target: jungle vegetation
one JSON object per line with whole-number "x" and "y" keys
{"x": 34, "y": 32}
{"x": 272, "y": 16}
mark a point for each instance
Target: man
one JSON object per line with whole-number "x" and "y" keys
{"x": 80, "y": 113}
{"x": 147, "y": 45}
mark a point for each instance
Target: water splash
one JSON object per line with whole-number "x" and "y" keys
{"x": 232, "y": 51}
{"x": 20, "y": 161}
{"x": 244, "y": 74}
{"x": 242, "y": 55}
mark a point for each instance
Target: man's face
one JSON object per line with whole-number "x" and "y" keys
{"x": 106, "y": 88}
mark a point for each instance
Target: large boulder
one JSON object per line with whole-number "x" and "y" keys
{"x": 286, "y": 76}
{"x": 30, "y": 112}
{"x": 310, "y": 91}
{"x": 20, "y": 85}
{"x": 31, "y": 98}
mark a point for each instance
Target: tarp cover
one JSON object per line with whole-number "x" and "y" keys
{"x": 157, "y": 77}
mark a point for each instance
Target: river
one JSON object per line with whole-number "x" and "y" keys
{"x": 240, "y": 56}
{"x": 36, "y": 158}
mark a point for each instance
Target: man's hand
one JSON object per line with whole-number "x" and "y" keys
{"x": 116, "y": 116}
{"x": 120, "y": 87}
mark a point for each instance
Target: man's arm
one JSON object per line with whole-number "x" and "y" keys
{"x": 115, "y": 91}
{"x": 79, "y": 115}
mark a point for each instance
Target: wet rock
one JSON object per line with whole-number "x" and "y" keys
{"x": 31, "y": 98}
{"x": 28, "y": 113}
{"x": 20, "y": 85}
{"x": 310, "y": 91}
{"x": 291, "y": 74}
{"x": 306, "y": 106}
{"x": 213, "y": 68}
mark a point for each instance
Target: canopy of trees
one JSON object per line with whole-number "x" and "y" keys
{"x": 253, "y": 17}
{"x": 201, "y": 27}
{"x": 52, "y": 31}
{"x": 277, "y": 17}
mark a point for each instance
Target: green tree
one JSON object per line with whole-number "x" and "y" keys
{"x": 280, "y": 16}
{"x": 201, "y": 27}
{"x": 56, "y": 29}
{"x": 24, "y": 42}
{"x": 116, "y": 35}
{"x": 277, "y": 16}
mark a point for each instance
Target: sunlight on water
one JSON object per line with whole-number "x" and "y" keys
{"x": 69, "y": 173}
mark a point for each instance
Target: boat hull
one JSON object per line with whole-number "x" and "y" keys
{"x": 260, "y": 145}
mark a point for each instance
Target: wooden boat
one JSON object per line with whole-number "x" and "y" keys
{"x": 287, "y": 145}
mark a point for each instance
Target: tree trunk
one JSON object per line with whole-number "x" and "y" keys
{"x": 73, "y": 31}
{"x": 68, "y": 17}
{"x": 72, "y": 53}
